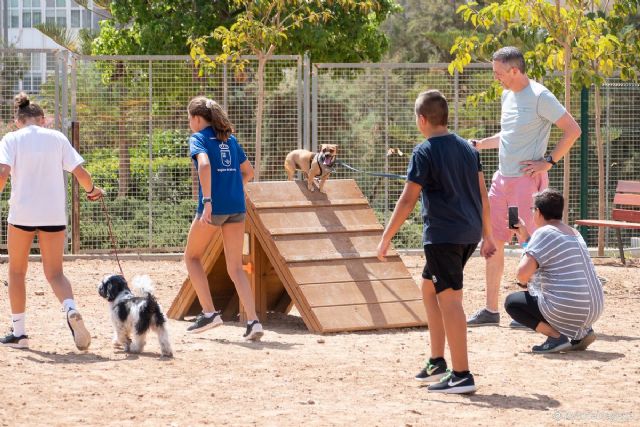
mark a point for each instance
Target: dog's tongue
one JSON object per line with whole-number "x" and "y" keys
{"x": 328, "y": 161}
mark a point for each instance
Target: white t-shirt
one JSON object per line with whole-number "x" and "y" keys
{"x": 38, "y": 158}
{"x": 525, "y": 123}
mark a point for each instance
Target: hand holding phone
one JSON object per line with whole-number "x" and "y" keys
{"x": 513, "y": 217}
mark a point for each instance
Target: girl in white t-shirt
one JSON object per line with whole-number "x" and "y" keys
{"x": 36, "y": 159}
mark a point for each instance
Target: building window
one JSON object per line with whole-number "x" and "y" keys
{"x": 51, "y": 61}
{"x": 75, "y": 19}
{"x": 14, "y": 14}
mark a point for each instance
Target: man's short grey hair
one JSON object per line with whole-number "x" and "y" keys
{"x": 510, "y": 55}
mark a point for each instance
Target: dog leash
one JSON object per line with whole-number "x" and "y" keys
{"x": 113, "y": 239}
{"x": 383, "y": 175}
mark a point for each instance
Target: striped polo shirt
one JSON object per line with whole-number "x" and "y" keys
{"x": 570, "y": 295}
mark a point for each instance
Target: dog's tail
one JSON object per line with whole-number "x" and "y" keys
{"x": 142, "y": 285}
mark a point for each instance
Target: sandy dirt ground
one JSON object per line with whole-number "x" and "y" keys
{"x": 294, "y": 377}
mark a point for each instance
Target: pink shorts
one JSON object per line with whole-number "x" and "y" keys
{"x": 513, "y": 191}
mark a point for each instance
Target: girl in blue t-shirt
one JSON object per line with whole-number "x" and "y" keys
{"x": 223, "y": 170}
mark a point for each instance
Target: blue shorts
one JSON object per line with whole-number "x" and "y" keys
{"x": 219, "y": 220}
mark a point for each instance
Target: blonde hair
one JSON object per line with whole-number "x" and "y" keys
{"x": 213, "y": 113}
{"x": 25, "y": 109}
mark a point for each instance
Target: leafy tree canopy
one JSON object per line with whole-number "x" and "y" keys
{"x": 163, "y": 26}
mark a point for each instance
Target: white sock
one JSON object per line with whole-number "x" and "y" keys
{"x": 69, "y": 304}
{"x": 208, "y": 315}
{"x": 491, "y": 311}
{"x": 18, "y": 324}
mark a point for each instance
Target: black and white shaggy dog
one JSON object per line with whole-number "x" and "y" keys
{"x": 133, "y": 315}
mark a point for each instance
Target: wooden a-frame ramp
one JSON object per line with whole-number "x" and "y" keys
{"x": 315, "y": 251}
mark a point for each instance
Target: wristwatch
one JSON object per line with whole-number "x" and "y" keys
{"x": 206, "y": 200}
{"x": 549, "y": 159}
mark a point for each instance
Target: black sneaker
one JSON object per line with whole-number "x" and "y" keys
{"x": 432, "y": 372}
{"x": 203, "y": 323}
{"x": 580, "y": 345}
{"x": 552, "y": 345}
{"x": 254, "y": 331}
{"x": 453, "y": 384}
{"x": 15, "y": 342}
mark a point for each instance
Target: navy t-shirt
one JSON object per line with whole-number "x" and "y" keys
{"x": 447, "y": 169}
{"x": 227, "y": 193}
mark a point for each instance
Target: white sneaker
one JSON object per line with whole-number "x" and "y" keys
{"x": 254, "y": 331}
{"x": 81, "y": 335}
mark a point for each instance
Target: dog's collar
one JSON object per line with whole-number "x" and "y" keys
{"x": 324, "y": 169}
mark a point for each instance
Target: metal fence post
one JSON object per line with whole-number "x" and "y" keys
{"x": 584, "y": 158}
{"x": 386, "y": 144}
{"x": 64, "y": 126}
{"x": 57, "y": 120}
{"x": 306, "y": 130}
{"x": 225, "y": 84}
{"x": 299, "y": 101}
{"x": 150, "y": 154}
{"x": 456, "y": 99}
{"x": 314, "y": 109}
{"x": 75, "y": 194}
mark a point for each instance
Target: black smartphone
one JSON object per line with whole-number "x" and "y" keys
{"x": 513, "y": 217}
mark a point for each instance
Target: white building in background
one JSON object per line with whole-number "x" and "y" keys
{"x": 18, "y": 19}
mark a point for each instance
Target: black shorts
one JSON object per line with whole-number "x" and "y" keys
{"x": 45, "y": 228}
{"x": 445, "y": 263}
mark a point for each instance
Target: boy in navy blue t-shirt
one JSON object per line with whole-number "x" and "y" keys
{"x": 447, "y": 172}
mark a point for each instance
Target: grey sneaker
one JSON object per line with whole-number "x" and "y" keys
{"x": 203, "y": 323}
{"x": 517, "y": 325}
{"x": 483, "y": 317}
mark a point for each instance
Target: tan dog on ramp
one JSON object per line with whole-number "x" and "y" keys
{"x": 313, "y": 165}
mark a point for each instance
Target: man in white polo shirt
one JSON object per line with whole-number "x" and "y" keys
{"x": 528, "y": 111}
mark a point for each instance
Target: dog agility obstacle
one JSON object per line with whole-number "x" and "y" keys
{"x": 315, "y": 251}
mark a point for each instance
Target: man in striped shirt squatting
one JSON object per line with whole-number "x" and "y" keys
{"x": 564, "y": 296}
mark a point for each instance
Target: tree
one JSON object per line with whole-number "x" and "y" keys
{"x": 266, "y": 25}
{"x": 573, "y": 36}
{"x": 148, "y": 27}
{"x": 424, "y": 30}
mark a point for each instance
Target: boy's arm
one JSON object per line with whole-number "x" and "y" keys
{"x": 487, "y": 247}
{"x": 403, "y": 209}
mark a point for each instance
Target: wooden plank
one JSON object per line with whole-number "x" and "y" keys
{"x": 283, "y": 272}
{"x": 326, "y": 229}
{"x": 350, "y": 270}
{"x": 328, "y": 246}
{"x": 361, "y": 292}
{"x": 627, "y": 199}
{"x": 318, "y": 219}
{"x": 282, "y": 192}
{"x": 626, "y": 215}
{"x": 307, "y": 203}
{"x": 628, "y": 187}
{"x": 608, "y": 223}
{"x": 371, "y": 316}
